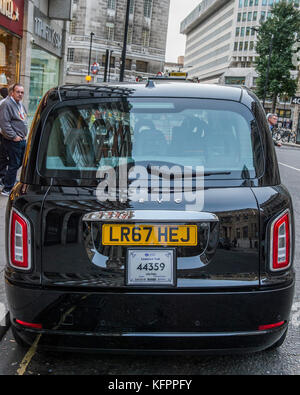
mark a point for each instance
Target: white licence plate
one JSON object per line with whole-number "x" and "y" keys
{"x": 150, "y": 267}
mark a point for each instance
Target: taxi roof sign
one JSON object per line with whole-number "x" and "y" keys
{"x": 178, "y": 74}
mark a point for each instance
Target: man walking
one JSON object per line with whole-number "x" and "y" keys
{"x": 272, "y": 121}
{"x": 3, "y": 153}
{"x": 13, "y": 122}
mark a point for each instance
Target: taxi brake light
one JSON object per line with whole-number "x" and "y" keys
{"x": 29, "y": 324}
{"x": 19, "y": 241}
{"x": 270, "y": 326}
{"x": 280, "y": 242}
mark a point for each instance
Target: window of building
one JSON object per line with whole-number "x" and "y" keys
{"x": 240, "y": 3}
{"x": 239, "y": 17}
{"x": 242, "y": 31}
{"x": 131, "y": 7}
{"x": 70, "y": 55}
{"x": 250, "y": 3}
{"x": 254, "y": 15}
{"x": 9, "y": 58}
{"x": 44, "y": 74}
{"x": 263, "y": 15}
{"x": 245, "y": 232}
{"x": 256, "y": 2}
{"x": 264, "y": 2}
{"x": 2, "y": 55}
{"x": 110, "y": 31}
{"x": 244, "y": 16}
{"x": 145, "y": 38}
{"x": 245, "y": 45}
{"x": 241, "y": 46}
{"x": 269, "y": 14}
{"x": 72, "y": 27}
{"x": 245, "y": 3}
{"x": 147, "y": 8}
{"x": 237, "y": 31}
{"x": 111, "y": 63}
{"x": 111, "y": 4}
{"x": 235, "y": 80}
{"x": 129, "y": 35}
{"x": 141, "y": 66}
{"x": 251, "y": 45}
{"x": 249, "y": 16}
{"x": 248, "y": 31}
{"x": 128, "y": 64}
{"x": 284, "y": 113}
{"x": 235, "y": 46}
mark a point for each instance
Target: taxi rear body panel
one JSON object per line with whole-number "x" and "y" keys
{"x": 73, "y": 254}
{"x": 156, "y": 321}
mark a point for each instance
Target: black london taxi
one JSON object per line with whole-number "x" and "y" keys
{"x": 150, "y": 217}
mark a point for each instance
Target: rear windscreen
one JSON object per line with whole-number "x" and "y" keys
{"x": 219, "y": 135}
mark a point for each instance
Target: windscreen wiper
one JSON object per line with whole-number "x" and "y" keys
{"x": 216, "y": 173}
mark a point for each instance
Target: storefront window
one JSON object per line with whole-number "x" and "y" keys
{"x": 235, "y": 80}
{"x": 44, "y": 75}
{"x": 9, "y": 58}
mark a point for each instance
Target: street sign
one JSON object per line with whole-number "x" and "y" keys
{"x": 95, "y": 68}
{"x": 295, "y": 100}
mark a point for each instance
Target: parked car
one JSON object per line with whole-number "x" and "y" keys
{"x": 113, "y": 233}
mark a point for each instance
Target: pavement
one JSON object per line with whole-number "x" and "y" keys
{"x": 3, "y": 303}
{"x": 291, "y": 145}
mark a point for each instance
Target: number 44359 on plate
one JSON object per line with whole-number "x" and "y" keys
{"x": 151, "y": 267}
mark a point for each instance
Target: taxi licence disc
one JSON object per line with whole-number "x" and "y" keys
{"x": 151, "y": 267}
{"x": 149, "y": 235}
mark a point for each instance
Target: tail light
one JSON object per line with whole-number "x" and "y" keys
{"x": 280, "y": 253}
{"x": 19, "y": 247}
{"x": 29, "y": 324}
{"x": 270, "y": 326}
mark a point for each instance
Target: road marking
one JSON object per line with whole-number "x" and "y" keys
{"x": 291, "y": 167}
{"x": 28, "y": 357}
{"x": 2, "y": 311}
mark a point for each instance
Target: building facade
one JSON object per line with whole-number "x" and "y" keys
{"x": 209, "y": 39}
{"x": 220, "y": 44}
{"x": 32, "y": 46}
{"x": 11, "y": 34}
{"x": 146, "y": 39}
{"x": 43, "y": 53}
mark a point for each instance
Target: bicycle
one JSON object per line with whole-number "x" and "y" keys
{"x": 284, "y": 135}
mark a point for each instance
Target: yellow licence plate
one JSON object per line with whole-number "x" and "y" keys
{"x": 171, "y": 235}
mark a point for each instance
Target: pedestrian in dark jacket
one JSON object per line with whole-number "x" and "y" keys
{"x": 13, "y": 123}
{"x": 272, "y": 121}
{"x": 3, "y": 94}
{"x": 3, "y": 154}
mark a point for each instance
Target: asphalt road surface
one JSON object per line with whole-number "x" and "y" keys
{"x": 283, "y": 361}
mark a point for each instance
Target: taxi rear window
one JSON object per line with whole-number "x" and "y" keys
{"x": 219, "y": 135}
